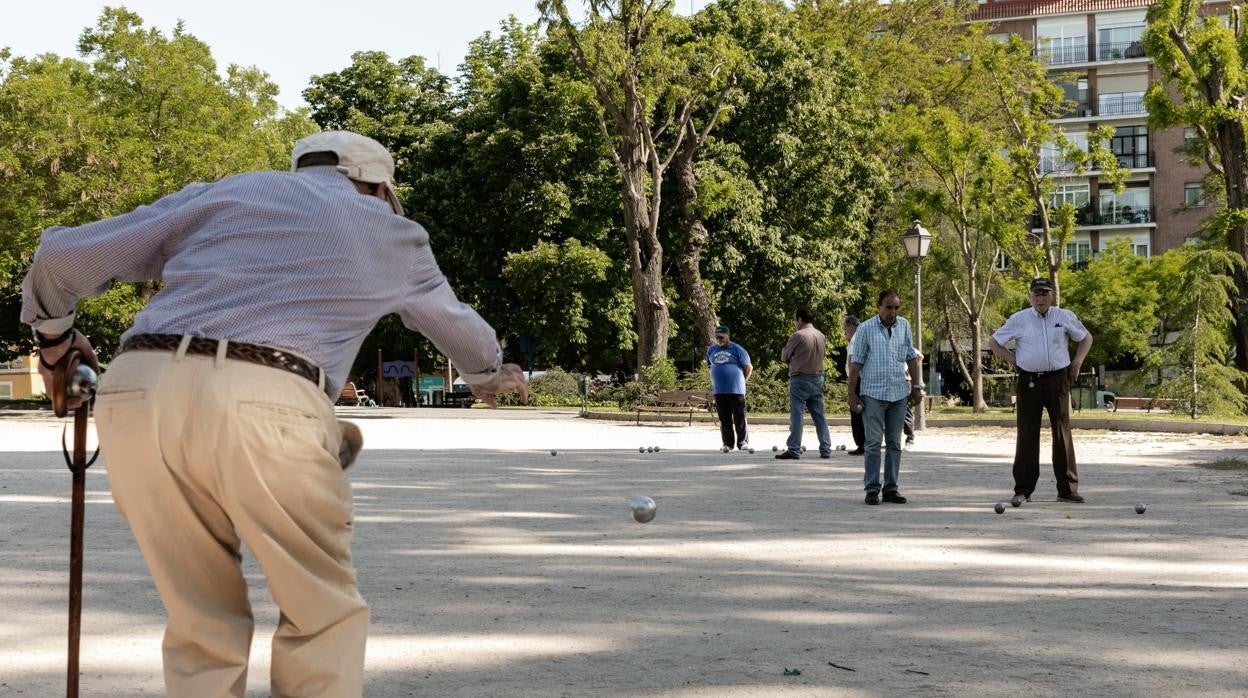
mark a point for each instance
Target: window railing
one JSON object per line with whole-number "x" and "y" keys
{"x": 1109, "y": 215}
{"x": 1062, "y": 51}
{"x": 1124, "y": 215}
{"x": 1112, "y": 51}
{"x": 1136, "y": 160}
{"x": 1080, "y": 108}
{"x": 1120, "y": 103}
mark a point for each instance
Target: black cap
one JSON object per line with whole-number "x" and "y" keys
{"x": 1041, "y": 284}
{"x": 722, "y": 329}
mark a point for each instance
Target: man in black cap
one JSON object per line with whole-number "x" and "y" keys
{"x": 730, "y": 369}
{"x": 1041, "y": 356}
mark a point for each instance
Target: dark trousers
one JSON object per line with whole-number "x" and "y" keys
{"x": 907, "y": 425}
{"x": 856, "y": 426}
{"x": 1051, "y": 393}
{"x": 731, "y": 409}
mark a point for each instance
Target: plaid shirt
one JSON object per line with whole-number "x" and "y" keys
{"x": 294, "y": 260}
{"x": 882, "y": 353}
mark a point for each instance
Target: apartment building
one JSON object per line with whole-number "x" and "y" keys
{"x": 1093, "y": 51}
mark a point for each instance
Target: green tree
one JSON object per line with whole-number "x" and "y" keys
{"x": 1116, "y": 299}
{"x": 648, "y": 79}
{"x": 1193, "y": 366}
{"x": 1204, "y": 83}
{"x": 560, "y": 285}
{"x": 139, "y": 116}
{"x": 963, "y": 182}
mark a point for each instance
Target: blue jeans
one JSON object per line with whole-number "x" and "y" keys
{"x": 882, "y": 422}
{"x": 806, "y": 393}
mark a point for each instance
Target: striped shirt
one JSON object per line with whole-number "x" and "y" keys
{"x": 1042, "y": 341}
{"x": 882, "y": 353}
{"x": 296, "y": 260}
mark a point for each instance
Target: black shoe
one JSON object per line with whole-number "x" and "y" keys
{"x": 856, "y": 452}
{"x": 787, "y": 455}
{"x": 894, "y": 498}
{"x": 873, "y": 498}
{"x": 825, "y": 454}
{"x": 1069, "y": 497}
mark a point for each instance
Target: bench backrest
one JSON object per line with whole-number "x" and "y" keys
{"x": 349, "y": 392}
{"x": 685, "y": 397}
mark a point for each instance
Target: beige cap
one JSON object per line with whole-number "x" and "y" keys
{"x": 359, "y": 157}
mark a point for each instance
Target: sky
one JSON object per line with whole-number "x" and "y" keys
{"x": 288, "y": 39}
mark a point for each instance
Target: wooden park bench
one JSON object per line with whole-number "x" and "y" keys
{"x": 352, "y": 395}
{"x": 1148, "y": 404}
{"x": 676, "y": 401}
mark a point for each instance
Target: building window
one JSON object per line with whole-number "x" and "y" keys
{"x": 1130, "y": 146}
{"x": 1119, "y": 42}
{"x": 1077, "y": 195}
{"x": 6, "y": 390}
{"x": 1003, "y": 262}
{"x": 1189, "y": 137}
{"x": 1140, "y": 249}
{"x": 1078, "y": 252}
{"x": 1193, "y": 194}
{"x": 1131, "y": 207}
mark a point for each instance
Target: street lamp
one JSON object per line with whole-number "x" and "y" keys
{"x": 917, "y": 241}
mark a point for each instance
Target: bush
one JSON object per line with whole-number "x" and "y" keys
{"x": 556, "y": 383}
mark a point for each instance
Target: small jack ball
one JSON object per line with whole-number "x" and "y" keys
{"x": 1139, "y": 507}
{"x": 999, "y": 508}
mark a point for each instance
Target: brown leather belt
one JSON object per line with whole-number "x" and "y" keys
{"x": 239, "y": 351}
{"x": 1041, "y": 374}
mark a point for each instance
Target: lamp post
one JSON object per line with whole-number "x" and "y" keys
{"x": 917, "y": 241}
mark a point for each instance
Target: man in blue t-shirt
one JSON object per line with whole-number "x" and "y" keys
{"x": 730, "y": 369}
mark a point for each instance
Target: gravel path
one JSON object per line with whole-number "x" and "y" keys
{"x": 496, "y": 569}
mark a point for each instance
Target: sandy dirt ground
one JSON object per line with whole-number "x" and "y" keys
{"x": 494, "y": 568}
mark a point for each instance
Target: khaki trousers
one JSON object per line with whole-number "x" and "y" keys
{"x": 207, "y": 453}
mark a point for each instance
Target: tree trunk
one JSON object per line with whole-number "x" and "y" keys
{"x": 1231, "y": 149}
{"x": 696, "y": 236}
{"x": 646, "y": 270}
{"x": 977, "y": 366}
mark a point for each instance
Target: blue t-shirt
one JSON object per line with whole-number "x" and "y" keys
{"x": 727, "y": 368}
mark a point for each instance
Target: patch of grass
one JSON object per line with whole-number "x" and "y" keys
{"x": 1226, "y": 464}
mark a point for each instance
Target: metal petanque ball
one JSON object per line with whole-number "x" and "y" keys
{"x": 641, "y": 449}
{"x": 803, "y": 448}
{"x": 1016, "y": 501}
{"x": 644, "y": 509}
{"x": 82, "y": 383}
{"x": 999, "y": 508}
{"x": 723, "y": 449}
{"x": 775, "y": 448}
{"x": 751, "y": 449}
{"x": 553, "y": 452}
{"x": 1139, "y": 507}
{"x": 656, "y": 449}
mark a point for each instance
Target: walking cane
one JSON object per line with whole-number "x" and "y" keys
{"x": 74, "y": 379}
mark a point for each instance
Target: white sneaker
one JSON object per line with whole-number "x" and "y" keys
{"x": 745, "y": 446}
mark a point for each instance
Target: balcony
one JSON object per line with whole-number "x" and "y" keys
{"x": 1073, "y": 50}
{"x": 1120, "y": 103}
{"x": 1087, "y": 217}
{"x": 1113, "y": 51}
{"x": 1136, "y": 161}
